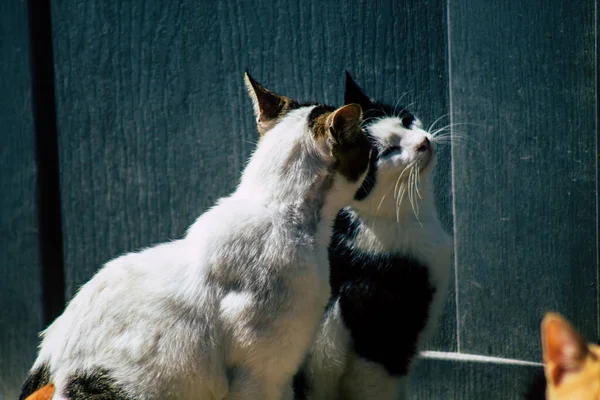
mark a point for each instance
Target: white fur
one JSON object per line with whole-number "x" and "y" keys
{"x": 334, "y": 371}
{"x": 229, "y": 310}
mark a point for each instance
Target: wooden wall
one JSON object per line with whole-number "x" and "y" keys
{"x": 154, "y": 125}
{"x": 20, "y": 263}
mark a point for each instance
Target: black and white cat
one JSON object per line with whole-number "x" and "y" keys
{"x": 228, "y": 311}
{"x": 389, "y": 261}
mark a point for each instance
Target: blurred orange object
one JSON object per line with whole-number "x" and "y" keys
{"x": 44, "y": 393}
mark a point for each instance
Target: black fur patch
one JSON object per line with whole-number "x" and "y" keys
{"x": 345, "y": 227}
{"x": 300, "y": 385}
{"x": 536, "y": 389}
{"x": 384, "y": 299}
{"x": 97, "y": 385}
{"x": 34, "y": 381}
{"x": 373, "y": 109}
{"x": 370, "y": 179}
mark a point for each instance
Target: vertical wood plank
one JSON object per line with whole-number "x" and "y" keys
{"x": 523, "y": 74}
{"x": 20, "y": 289}
{"x": 461, "y": 380}
{"x": 155, "y": 123}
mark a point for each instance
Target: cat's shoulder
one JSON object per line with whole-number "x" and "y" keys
{"x": 230, "y": 216}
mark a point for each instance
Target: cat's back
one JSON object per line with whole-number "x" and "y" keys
{"x": 250, "y": 230}
{"x": 134, "y": 312}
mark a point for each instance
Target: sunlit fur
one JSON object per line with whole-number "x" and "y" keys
{"x": 399, "y": 217}
{"x": 228, "y": 311}
{"x": 571, "y": 366}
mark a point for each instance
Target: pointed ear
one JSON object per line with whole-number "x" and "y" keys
{"x": 564, "y": 350}
{"x": 268, "y": 106}
{"x": 354, "y": 94}
{"x": 345, "y": 122}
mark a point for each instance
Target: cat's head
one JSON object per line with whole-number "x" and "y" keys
{"x": 571, "y": 365}
{"x": 405, "y": 153}
{"x": 322, "y": 138}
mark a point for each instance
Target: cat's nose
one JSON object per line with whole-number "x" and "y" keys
{"x": 424, "y": 145}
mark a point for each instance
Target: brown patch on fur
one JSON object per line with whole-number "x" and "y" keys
{"x": 354, "y": 161}
{"x": 571, "y": 365}
{"x": 44, "y": 393}
{"x": 317, "y": 121}
{"x": 349, "y": 143}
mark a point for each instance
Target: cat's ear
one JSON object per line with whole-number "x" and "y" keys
{"x": 354, "y": 94}
{"x": 344, "y": 120}
{"x": 564, "y": 350}
{"x": 348, "y": 141}
{"x": 268, "y": 106}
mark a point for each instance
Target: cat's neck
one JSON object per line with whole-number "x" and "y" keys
{"x": 310, "y": 206}
{"x": 293, "y": 179}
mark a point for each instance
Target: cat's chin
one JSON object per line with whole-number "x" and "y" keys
{"x": 426, "y": 166}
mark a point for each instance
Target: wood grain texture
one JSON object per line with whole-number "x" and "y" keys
{"x": 461, "y": 380}
{"x": 20, "y": 288}
{"x": 523, "y": 77}
{"x": 154, "y": 121}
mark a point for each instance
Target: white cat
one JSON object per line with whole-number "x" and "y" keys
{"x": 228, "y": 311}
{"x": 389, "y": 262}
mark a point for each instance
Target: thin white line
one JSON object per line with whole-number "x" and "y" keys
{"x": 452, "y": 174}
{"x": 441, "y": 355}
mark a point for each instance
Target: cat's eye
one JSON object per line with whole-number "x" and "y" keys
{"x": 389, "y": 150}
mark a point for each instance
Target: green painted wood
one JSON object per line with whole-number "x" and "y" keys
{"x": 154, "y": 120}
{"x": 461, "y": 380}
{"x": 20, "y": 289}
{"x": 523, "y": 74}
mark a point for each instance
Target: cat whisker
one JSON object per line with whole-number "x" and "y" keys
{"x": 453, "y": 124}
{"x": 396, "y": 105}
{"x": 436, "y": 121}
{"x": 411, "y": 188}
{"x": 454, "y": 133}
{"x": 398, "y": 102}
{"x": 467, "y": 123}
{"x": 380, "y": 203}
{"x": 366, "y": 113}
{"x": 399, "y": 202}
{"x": 415, "y": 203}
{"x": 419, "y": 183}
{"x": 434, "y": 133}
{"x": 444, "y": 128}
{"x": 454, "y": 138}
{"x": 400, "y": 177}
{"x": 407, "y": 108}
{"x": 416, "y": 194}
{"x": 368, "y": 119}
